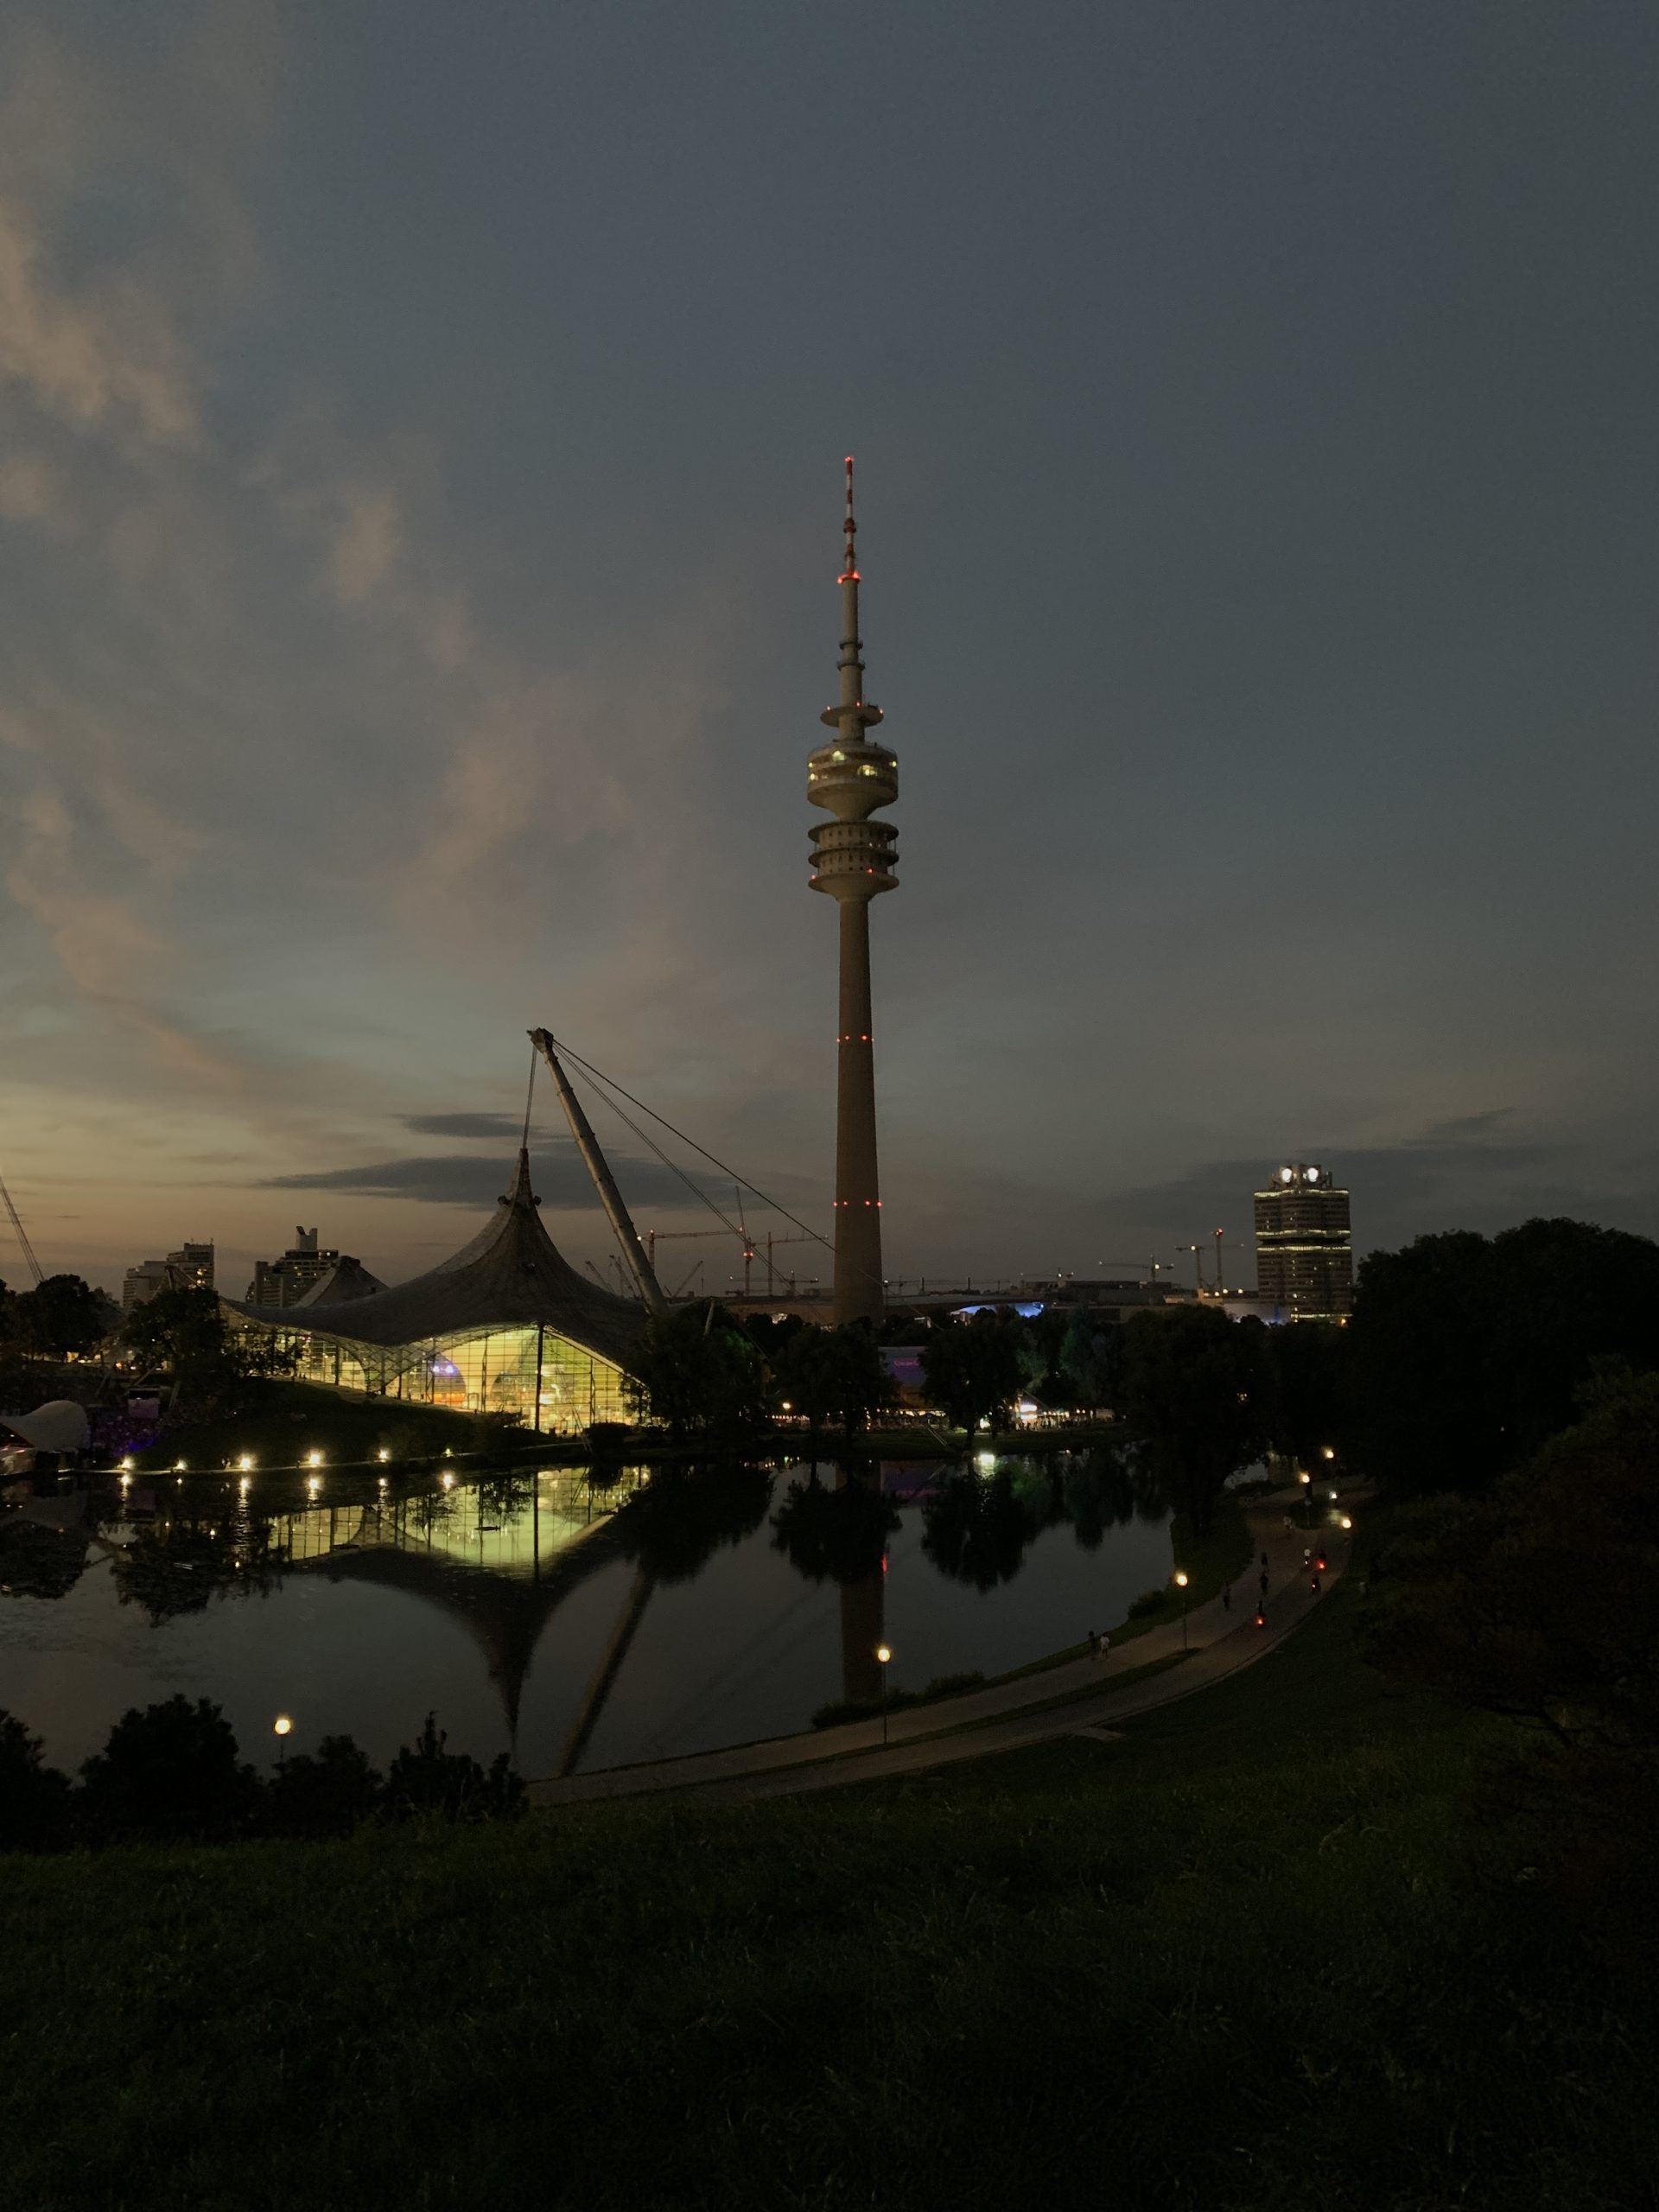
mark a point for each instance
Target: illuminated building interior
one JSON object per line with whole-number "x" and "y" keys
{"x": 505, "y": 1326}
{"x": 541, "y": 1378}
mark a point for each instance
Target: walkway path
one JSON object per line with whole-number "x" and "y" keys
{"x": 1076, "y": 1697}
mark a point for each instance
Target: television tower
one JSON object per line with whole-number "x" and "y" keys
{"x": 853, "y": 859}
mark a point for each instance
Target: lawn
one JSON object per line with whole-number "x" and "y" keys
{"x": 1253, "y": 1955}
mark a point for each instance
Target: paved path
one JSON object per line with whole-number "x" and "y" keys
{"x": 1076, "y": 1697}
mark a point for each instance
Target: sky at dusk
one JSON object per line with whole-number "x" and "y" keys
{"x": 419, "y": 442}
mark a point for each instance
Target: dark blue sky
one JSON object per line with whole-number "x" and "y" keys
{"x": 418, "y": 538}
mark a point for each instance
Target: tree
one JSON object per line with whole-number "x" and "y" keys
{"x": 185, "y": 1332}
{"x": 834, "y": 1375}
{"x": 1468, "y": 1352}
{"x": 697, "y": 1374}
{"x": 33, "y": 1797}
{"x": 1312, "y": 1404}
{"x": 1537, "y": 1599}
{"x": 1091, "y": 1359}
{"x": 1194, "y": 1393}
{"x": 329, "y": 1794}
{"x": 169, "y": 1771}
{"x": 975, "y": 1367}
{"x": 59, "y": 1316}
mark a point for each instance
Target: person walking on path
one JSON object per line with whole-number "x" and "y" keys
{"x": 1094, "y": 1644}
{"x": 1263, "y": 1578}
{"x": 1227, "y": 1598}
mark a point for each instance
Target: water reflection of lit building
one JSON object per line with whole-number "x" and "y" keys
{"x": 506, "y": 1326}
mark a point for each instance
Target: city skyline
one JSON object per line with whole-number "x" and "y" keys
{"x": 409, "y": 628}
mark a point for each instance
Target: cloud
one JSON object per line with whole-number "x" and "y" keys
{"x": 102, "y": 356}
{"x": 108, "y": 952}
{"x": 463, "y": 1178}
{"x": 368, "y": 543}
{"x": 1459, "y": 1173}
{"x": 494, "y": 1127}
{"x": 1463, "y": 1129}
{"x": 30, "y": 490}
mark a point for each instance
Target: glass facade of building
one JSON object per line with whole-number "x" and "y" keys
{"x": 544, "y": 1380}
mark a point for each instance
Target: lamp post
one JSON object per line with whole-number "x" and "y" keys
{"x": 883, "y": 1653}
{"x": 1180, "y": 1584}
{"x": 280, "y": 1728}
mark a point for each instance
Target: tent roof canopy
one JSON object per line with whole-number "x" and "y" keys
{"x": 511, "y": 1275}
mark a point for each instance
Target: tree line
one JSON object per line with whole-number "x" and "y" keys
{"x": 173, "y": 1773}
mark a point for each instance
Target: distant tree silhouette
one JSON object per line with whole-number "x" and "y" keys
{"x": 59, "y": 1315}
{"x": 1195, "y": 1388}
{"x": 1469, "y": 1351}
{"x": 975, "y": 1367}
{"x": 698, "y": 1374}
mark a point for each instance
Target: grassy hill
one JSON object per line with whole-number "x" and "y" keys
{"x": 1258, "y": 1954}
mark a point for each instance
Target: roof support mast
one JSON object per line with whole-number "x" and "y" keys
{"x": 627, "y": 1236}
{"x": 22, "y": 1234}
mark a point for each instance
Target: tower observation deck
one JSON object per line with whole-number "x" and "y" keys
{"x": 854, "y": 857}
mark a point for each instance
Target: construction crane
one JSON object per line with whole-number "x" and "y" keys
{"x": 22, "y": 1234}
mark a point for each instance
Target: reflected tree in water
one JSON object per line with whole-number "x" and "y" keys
{"x": 37, "y": 1561}
{"x": 1106, "y": 1488}
{"x": 673, "y": 1527}
{"x": 504, "y": 1494}
{"x": 837, "y": 1535}
{"x": 178, "y": 1566}
{"x": 976, "y": 1530}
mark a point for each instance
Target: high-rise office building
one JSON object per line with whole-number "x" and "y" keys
{"x": 1304, "y": 1248}
{"x": 190, "y": 1268}
{"x": 853, "y": 859}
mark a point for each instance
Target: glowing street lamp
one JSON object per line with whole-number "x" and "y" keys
{"x": 245, "y": 1462}
{"x": 884, "y": 1653}
{"x": 280, "y": 1727}
{"x": 1180, "y": 1584}
{"x": 313, "y": 1459}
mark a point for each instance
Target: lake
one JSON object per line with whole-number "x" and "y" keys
{"x": 577, "y": 1621}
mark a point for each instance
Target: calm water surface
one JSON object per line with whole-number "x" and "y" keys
{"x": 576, "y": 1624}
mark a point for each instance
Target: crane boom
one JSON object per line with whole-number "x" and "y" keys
{"x": 627, "y": 1236}
{"x": 22, "y": 1234}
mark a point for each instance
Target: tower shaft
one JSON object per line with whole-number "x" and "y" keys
{"x": 858, "y": 1200}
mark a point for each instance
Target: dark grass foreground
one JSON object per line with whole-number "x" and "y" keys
{"x": 1260, "y": 1953}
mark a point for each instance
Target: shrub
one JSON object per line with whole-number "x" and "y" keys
{"x": 1149, "y": 1602}
{"x": 33, "y": 1797}
{"x": 169, "y": 1772}
{"x": 328, "y": 1795}
{"x": 450, "y": 1785}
